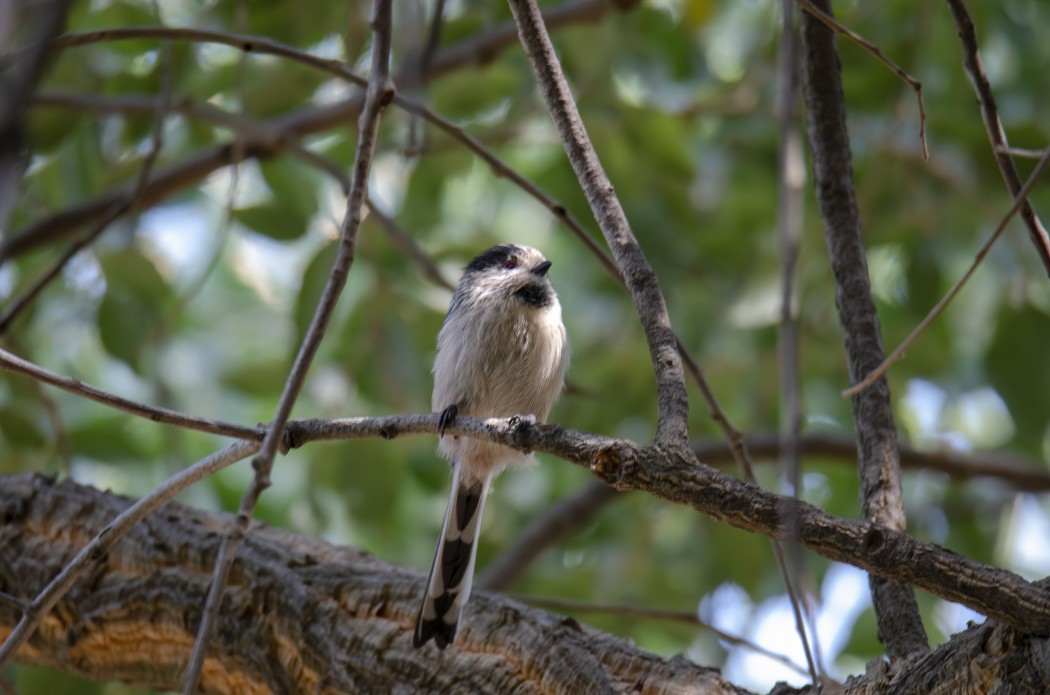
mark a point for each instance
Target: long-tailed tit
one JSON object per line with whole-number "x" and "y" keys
{"x": 501, "y": 352}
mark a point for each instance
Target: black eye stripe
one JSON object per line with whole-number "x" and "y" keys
{"x": 495, "y": 257}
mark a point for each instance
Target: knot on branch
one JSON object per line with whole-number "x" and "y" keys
{"x": 612, "y": 465}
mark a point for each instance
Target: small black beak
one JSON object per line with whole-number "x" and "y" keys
{"x": 542, "y": 268}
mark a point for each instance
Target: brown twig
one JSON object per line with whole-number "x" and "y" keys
{"x": 937, "y": 310}
{"x": 113, "y": 532}
{"x": 559, "y": 522}
{"x": 646, "y": 612}
{"x": 1020, "y": 474}
{"x": 379, "y": 94}
{"x": 643, "y": 284}
{"x": 827, "y": 20}
{"x": 12, "y": 363}
{"x": 992, "y": 124}
{"x": 900, "y": 627}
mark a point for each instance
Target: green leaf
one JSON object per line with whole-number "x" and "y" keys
{"x": 275, "y": 220}
{"x": 132, "y": 310}
{"x": 257, "y": 378}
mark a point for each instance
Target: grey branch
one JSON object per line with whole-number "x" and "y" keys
{"x": 673, "y": 403}
{"x": 900, "y": 627}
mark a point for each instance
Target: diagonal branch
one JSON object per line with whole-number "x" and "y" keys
{"x": 992, "y": 124}
{"x": 673, "y": 404}
{"x": 380, "y": 92}
{"x": 1022, "y": 197}
{"x": 900, "y": 627}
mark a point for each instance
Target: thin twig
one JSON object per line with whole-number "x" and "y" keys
{"x": 1024, "y": 152}
{"x": 557, "y": 523}
{"x": 672, "y": 400}
{"x": 13, "y": 363}
{"x": 379, "y": 94}
{"x": 874, "y": 50}
{"x": 937, "y": 310}
{"x": 646, "y": 612}
{"x": 113, "y": 532}
{"x": 994, "y": 126}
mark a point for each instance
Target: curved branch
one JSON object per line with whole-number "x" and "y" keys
{"x": 673, "y": 403}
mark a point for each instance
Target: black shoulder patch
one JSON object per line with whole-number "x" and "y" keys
{"x": 535, "y": 295}
{"x": 490, "y": 258}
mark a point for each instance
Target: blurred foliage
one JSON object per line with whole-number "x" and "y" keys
{"x": 198, "y": 305}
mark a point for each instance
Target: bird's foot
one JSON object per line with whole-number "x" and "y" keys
{"x": 448, "y": 417}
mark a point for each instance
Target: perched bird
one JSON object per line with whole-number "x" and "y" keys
{"x": 501, "y": 352}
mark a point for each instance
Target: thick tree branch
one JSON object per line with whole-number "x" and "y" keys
{"x": 673, "y": 403}
{"x": 900, "y": 627}
{"x": 311, "y": 617}
{"x": 46, "y": 597}
{"x": 303, "y": 616}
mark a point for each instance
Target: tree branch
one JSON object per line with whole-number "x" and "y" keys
{"x": 476, "y": 51}
{"x": 379, "y": 94}
{"x": 304, "y": 616}
{"x": 673, "y": 403}
{"x": 900, "y": 627}
{"x": 992, "y": 124}
{"x": 136, "y": 619}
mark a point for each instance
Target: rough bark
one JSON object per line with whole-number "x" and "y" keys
{"x": 299, "y": 615}
{"x": 900, "y": 628}
{"x": 305, "y": 616}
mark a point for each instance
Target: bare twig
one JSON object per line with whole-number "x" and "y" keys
{"x": 937, "y": 310}
{"x": 900, "y": 627}
{"x": 673, "y": 403}
{"x": 18, "y": 365}
{"x": 827, "y": 20}
{"x": 646, "y": 612}
{"x": 113, "y": 532}
{"x": 992, "y": 124}
{"x": 1019, "y": 151}
{"x": 380, "y": 92}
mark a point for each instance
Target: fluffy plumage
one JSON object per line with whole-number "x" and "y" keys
{"x": 501, "y": 352}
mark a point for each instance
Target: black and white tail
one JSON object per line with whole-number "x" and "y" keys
{"x": 448, "y": 586}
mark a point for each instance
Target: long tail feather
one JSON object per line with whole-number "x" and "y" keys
{"x": 452, "y": 572}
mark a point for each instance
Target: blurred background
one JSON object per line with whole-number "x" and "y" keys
{"x": 198, "y": 301}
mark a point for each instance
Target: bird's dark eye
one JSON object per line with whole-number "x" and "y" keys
{"x": 510, "y": 263}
